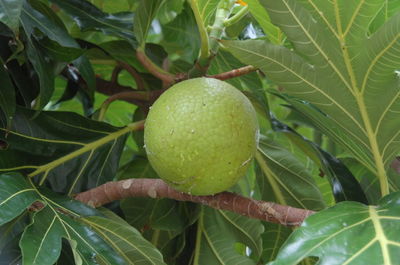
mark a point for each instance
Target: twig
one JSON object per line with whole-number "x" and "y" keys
{"x": 109, "y": 88}
{"x": 156, "y": 188}
{"x": 132, "y": 71}
{"x": 234, "y": 73}
{"x": 115, "y": 73}
{"x": 154, "y": 69}
{"x": 128, "y": 95}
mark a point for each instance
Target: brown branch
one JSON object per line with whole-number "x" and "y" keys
{"x": 129, "y": 95}
{"x": 110, "y": 88}
{"x": 156, "y": 188}
{"x": 115, "y": 73}
{"x": 132, "y": 71}
{"x": 154, "y": 69}
{"x": 234, "y": 73}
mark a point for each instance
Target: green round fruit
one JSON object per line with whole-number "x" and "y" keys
{"x": 201, "y": 135}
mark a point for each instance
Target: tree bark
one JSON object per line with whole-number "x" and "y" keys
{"x": 157, "y": 188}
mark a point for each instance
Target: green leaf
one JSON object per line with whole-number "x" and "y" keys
{"x": 273, "y": 33}
{"x": 348, "y": 233}
{"x": 224, "y": 62}
{"x": 273, "y": 238}
{"x": 7, "y": 93}
{"x": 61, "y": 218}
{"x": 181, "y": 37}
{"x": 10, "y": 254}
{"x": 284, "y": 179}
{"x": 389, "y": 8}
{"x": 338, "y": 69}
{"x": 162, "y": 214}
{"x": 126, "y": 240}
{"x": 169, "y": 10}
{"x": 86, "y": 70}
{"x": 72, "y": 152}
{"x": 31, "y": 19}
{"x": 44, "y": 71}
{"x": 205, "y": 10}
{"x": 122, "y": 51}
{"x": 12, "y": 230}
{"x": 343, "y": 184}
{"x": 40, "y": 237}
{"x": 60, "y": 53}
{"x": 15, "y": 196}
{"x": 217, "y": 233}
{"x": 10, "y": 11}
{"x": 142, "y": 21}
{"x": 89, "y": 17}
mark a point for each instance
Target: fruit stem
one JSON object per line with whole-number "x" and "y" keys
{"x": 204, "y": 49}
{"x": 237, "y": 17}
{"x": 223, "y": 12}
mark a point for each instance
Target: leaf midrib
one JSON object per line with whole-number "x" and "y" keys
{"x": 358, "y": 94}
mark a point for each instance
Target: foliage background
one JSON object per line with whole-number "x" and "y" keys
{"x": 327, "y": 89}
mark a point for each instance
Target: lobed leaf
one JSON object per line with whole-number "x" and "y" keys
{"x": 283, "y": 179}
{"x": 126, "y": 240}
{"x": 41, "y": 241}
{"x": 16, "y": 195}
{"x": 348, "y": 233}
{"x": 338, "y": 69}
{"x": 217, "y": 233}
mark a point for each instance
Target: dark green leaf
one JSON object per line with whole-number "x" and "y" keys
{"x": 273, "y": 238}
{"x": 218, "y": 231}
{"x": 169, "y": 10}
{"x": 41, "y": 146}
{"x": 206, "y": 10}
{"x": 89, "y": 17}
{"x": 143, "y": 18}
{"x": 44, "y": 71}
{"x": 181, "y": 36}
{"x": 7, "y": 93}
{"x": 41, "y": 241}
{"x": 225, "y": 62}
{"x": 15, "y": 196}
{"x": 60, "y": 53}
{"x": 337, "y": 67}
{"x": 86, "y": 71}
{"x": 12, "y": 230}
{"x": 10, "y": 254}
{"x": 32, "y": 19}
{"x": 61, "y": 218}
{"x": 122, "y": 51}
{"x": 272, "y": 32}
{"x": 348, "y": 233}
{"x": 284, "y": 179}
{"x": 125, "y": 240}
{"x": 343, "y": 184}
{"x": 10, "y": 11}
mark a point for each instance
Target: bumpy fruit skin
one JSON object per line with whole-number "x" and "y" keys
{"x": 201, "y": 135}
